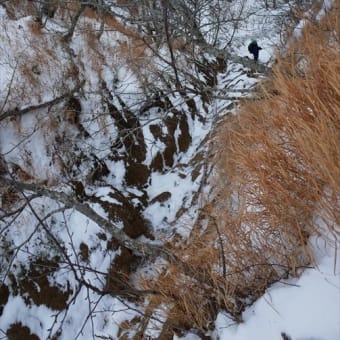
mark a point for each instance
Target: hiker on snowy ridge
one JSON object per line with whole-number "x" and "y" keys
{"x": 254, "y": 49}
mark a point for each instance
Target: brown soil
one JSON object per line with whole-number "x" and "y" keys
{"x": 9, "y": 197}
{"x": 160, "y": 161}
{"x": 84, "y": 252}
{"x": 184, "y": 139}
{"x": 100, "y": 170}
{"x": 131, "y": 134}
{"x": 134, "y": 223}
{"x": 4, "y": 294}
{"x": 169, "y": 140}
{"x": 34, "y": 285}
{"x": 156, "y": 131}
{"x": 164, "y": 196}
{"x": 137, "y": 174}
{"x": 119, "y": 274}
{"x": 19, "y": 332}
{"x": 157, "y": 163}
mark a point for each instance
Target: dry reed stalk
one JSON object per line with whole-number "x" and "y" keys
{"x": 282, "y": 153}
{"x": 279, "y": 166}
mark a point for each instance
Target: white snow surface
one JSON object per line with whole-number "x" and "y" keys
{"x": 304, "y": 308}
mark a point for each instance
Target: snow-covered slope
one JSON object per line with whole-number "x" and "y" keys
{"x": 304, "y": 308}
{"x": 100, "y": 119}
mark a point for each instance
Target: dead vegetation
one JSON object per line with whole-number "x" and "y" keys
{"x": 278, "y": 166}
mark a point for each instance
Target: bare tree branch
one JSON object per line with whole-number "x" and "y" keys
{"x": 137, "y": 247}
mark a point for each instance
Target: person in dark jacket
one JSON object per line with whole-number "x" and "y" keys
{"x": 254, "y": 49}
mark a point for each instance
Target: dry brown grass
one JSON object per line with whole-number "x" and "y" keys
{"x": 281, "y": 161}
{"x": 278, "y": 169}
{"x": 281, "y": 154}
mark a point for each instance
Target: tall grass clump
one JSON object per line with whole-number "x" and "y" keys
{"x": 277, "y": 183}
{"x": 279, "y": 161}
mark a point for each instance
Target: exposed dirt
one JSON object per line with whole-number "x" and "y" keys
{"x": 192, "y": 107}
{"x": 102, "y": 236}
{"x": 135, "y": 224}
{"x": 111, "y": 244}
{"x": 169, "y": 140}
{"x": 196, "y": 172}
{"x": 184, "y": 139}
{"x": 119, "y": 274}
{"x": 169, "y": 152}
{"x": 164, "y": 196}
{"x": 19, "y": 332}
{"x": 211, "y": 69}
{"x": 100, "y": 170}
{"x": 34, "y": 286}
{"x": 156, "y": 131}
{"x": 130, "y": 133}
{"x": 4, "y": 294}
{"x": 157, "y": 163}
{"x": 166, "y": 159}
{"x": 84, "y": 252}
{"x": 137, "y": 174}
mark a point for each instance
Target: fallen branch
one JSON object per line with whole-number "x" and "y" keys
{"x": 48, "y": 104}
